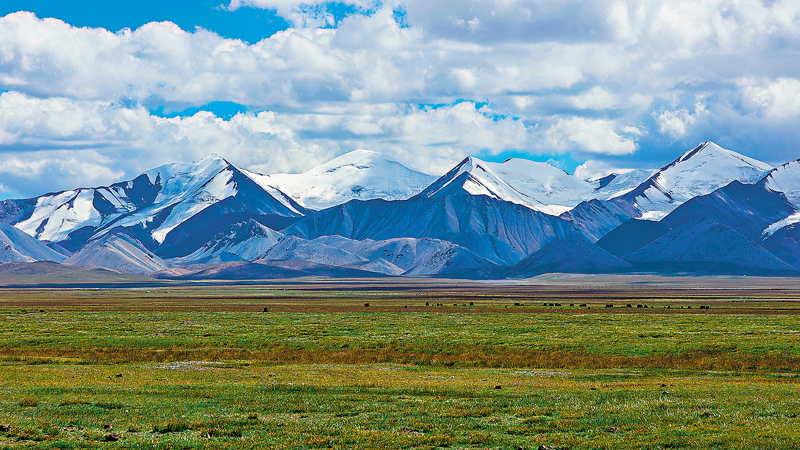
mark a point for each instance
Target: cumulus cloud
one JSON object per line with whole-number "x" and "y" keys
{"x": 33, "y": 173}
{"x": 593, "y": 79}
{"x": 772, "y": 98}
{"x": 683, "y": 25}
{"x": 123, "y": 140}
{"x": 368, "y": 58}
{"x": 678, "y": 123}
{"x": 27, "y": 122}
{"x": 593, "y": 169}
{"x": 103, "y": 141}
{"x": 595, "y": 98}
{"x": 590, "y": 135}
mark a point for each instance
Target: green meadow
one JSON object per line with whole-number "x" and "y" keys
{"x": 493, "y": 367}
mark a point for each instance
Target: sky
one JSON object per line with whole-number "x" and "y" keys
{"x": 93, "y": 92}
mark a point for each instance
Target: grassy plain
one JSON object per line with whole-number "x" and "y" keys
{"x": 494, "y": 367}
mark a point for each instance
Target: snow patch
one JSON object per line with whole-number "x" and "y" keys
{"x": 791, "y": 220}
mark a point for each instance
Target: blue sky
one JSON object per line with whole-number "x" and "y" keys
{"x": 247, "y": 23}
{"x": 92, "y": 92}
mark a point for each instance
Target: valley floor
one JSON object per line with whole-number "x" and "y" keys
{"x": 309, "y": 365}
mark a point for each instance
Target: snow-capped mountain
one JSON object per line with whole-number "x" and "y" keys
{"x": 536, "y": 185}
{"x": 725, "y": 231}
{"x": 166, "y": 205}
{"x": 187, "y": 190}
{"x": 616, "y": 184}
{"x": 364, "y": 215}
{"x": 749, "y": 209}
{"x": 360, "y": 174}
{"x": 699, "y": 171}
{"x": 786, "y": 178}
{"x": 158, "y": 203}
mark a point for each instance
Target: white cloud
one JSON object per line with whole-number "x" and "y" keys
{"x": 607, "y": 77}
{"x": 589, "y": 135}
{"x": 114, "y": 139}
{"x": 122, "y": 140}
{"x": 772, "y": 98}
{"x": 593, "y": 169}
{"x": 102, "y": 141}
{"x": 33, "y": 173}
{"x": 678, "y": 123}
{"x": 53, "y": 122}
{"x": 368, "y": 58}
{"x": 595, "y": 98}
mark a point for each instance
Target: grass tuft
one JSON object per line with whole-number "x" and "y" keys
{"x": 108, "y": 405}
{"x": 28, "y": 403}
{"x": 171, "y": 427}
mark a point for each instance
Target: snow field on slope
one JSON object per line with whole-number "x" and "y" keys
{"x": 360, "y": 174}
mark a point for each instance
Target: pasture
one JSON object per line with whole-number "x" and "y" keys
{"x": 309, "y": 365}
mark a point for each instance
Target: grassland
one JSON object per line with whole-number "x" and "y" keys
{"x": 495, "y": 366}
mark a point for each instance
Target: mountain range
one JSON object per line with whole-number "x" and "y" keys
{"x": 711, "y": 210}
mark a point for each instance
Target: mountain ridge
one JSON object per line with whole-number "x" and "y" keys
{"x": 480, "y": 219}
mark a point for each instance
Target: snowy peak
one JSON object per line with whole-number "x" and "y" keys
{"x": 181, "y": 181}
{"x": 360, "y": 174}
{"x": 156, "y": 202}
{"x": 536, "y": 185}
{"x": 786, "y": 178}
{"x": 437, "y": 187}
{"x": 186, "y": 174}
{"x": 358, "y": 159}
{"x": 616, "y": 184}
{"x": 699, "y": 171}
{"x": 708, "y": 165}
{"x": 709, "y": 153}
{"x": 57, "y": 215}
{"x": 475, "y": 177}
{"x": 184, "y": 190}
{"x": 689, "y": 154}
